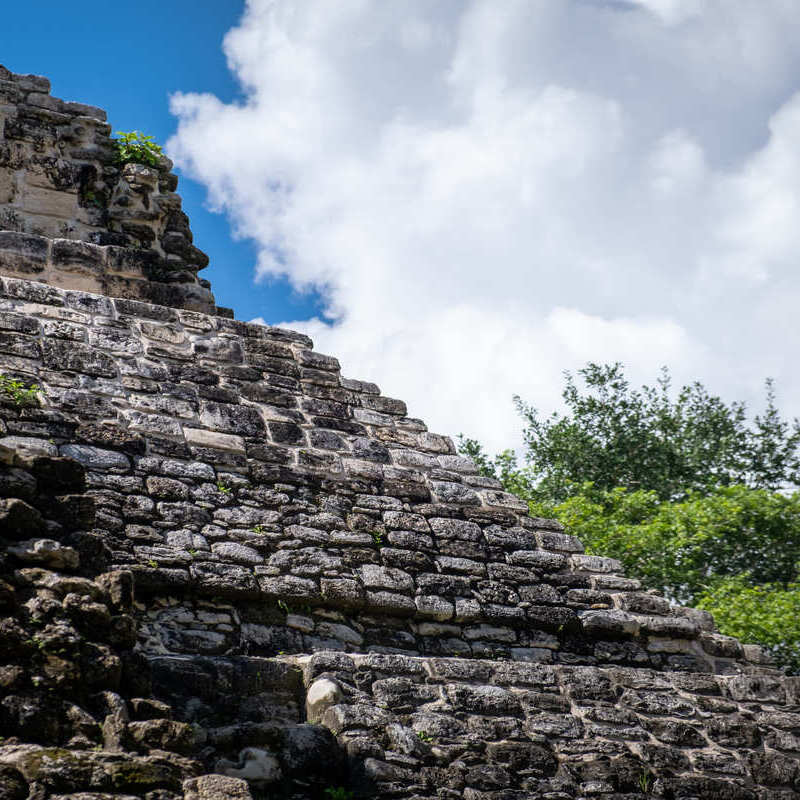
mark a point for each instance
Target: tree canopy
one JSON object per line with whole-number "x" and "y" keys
{"x": 695, "y": 498}
{"x": 653, "y": 439}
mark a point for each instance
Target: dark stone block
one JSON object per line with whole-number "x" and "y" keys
{"x": 18, "y": 323}
{"x": 286, "y": 433}
{"x": 19, "y": 520}
{"x": 135, "y": 308}
{"x": 68, "y": 253}
{"x": 76, "y": 357}
{"x": 31, "y": 248}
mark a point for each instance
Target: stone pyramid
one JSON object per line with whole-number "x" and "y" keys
{"x": 229, "y": 572}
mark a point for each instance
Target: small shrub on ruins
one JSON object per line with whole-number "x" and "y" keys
{"x": 134, "y": 147}
{"x": 338, "y": 793}
{"x": 16, "y": 391}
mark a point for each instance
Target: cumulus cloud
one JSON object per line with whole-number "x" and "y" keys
{"x": 489, "y": 193}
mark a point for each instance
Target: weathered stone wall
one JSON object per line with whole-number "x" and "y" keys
{"x": 66, "y": 650}
{"x": 227, "y": 571}
{"x": 266, "y": 508}
{"x": 71, "y": 216}
{"x": 230, "y": 462}
{"x": 482, "y": 730}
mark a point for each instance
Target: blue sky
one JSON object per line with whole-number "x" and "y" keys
{"x": 128, "y": 58}
{"x": 490, "y": 192}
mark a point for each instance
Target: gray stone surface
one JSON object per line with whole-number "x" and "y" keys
{"x": 208, "y": 533}
{"x": 72, "y": 216}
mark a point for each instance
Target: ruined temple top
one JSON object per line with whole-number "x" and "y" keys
{"x": 73, "y": 216}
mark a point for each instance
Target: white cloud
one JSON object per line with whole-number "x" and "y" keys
{"x": 490, "y": 193}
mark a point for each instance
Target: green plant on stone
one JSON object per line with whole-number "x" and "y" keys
{"x": 16, "y": 391}
{"x": 223, "y": 489}
{"x": 338, "y": 793}
{"x": 133, "y": 147}
{"x": 152, "y": 563}
{"x": 645, "y": 782}
{"x": 90, "y": 197}
{"x": 423, "y": 736}
{"x": 260, "y": 529}
{"x": 283, "y": 606}
{"x": 377, "y": 537}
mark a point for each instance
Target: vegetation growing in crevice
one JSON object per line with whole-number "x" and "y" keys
{"x": 134, "y": 147}
{"x": 15, "y": 390}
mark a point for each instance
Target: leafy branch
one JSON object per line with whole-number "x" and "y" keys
{"x": 134, "y": 147}
{"x": 16, "y": 391}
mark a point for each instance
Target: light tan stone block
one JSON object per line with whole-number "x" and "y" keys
{"x": 49, "y": 202}
{"x": 220, "y": 441}
{"x": 80, "y": 282}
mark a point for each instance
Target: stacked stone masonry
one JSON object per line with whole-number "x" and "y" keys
{"x": 234, "y": 468}
{"x": 72, "y": 216}
{"x": 226, "y": 571}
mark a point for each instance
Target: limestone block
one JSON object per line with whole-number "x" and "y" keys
{"x": 238, "y": 553}
{"x": 84, "y": 110}
{"x": 255, "y": 766}
{"x": 584, "y": 563}
{"x": 435, "y": 607}
{"x": 618, "y": 623}
{"x": 322, "y": 695}
{"x": 46, "y": 552}
{"x": 341, "y": 633}
{"x": 216, "y": 787}
{"x": 96, "y": 458}
{"x": 391, "y": 603}
{"x": 18, "y": 519}
{"x": 22, "y": 253}
{"x": 166, "y": 334}
{"x": 375, "y": 576}
{"x": 78, "y": 358}
{"x": 28, "y": 447}
{"x": 229, "y": 418}
{"x": 49, "y": 202}
{"x": 343, "y": 592}
{"x": 449, "y": 492}
{"x": 538, "y": 559}
{"x": 563, "y": 542}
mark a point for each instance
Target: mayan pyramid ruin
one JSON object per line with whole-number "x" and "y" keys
{"x": 229, "y": 572}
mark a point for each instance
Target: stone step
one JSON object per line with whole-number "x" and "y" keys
{"x": 248, "y": 716}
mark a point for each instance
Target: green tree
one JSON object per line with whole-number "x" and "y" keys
{"x": 768, "y": 615}
{"x": 685, "y": 548}
{"x": 613, "y": 435}
{"x": 687, "y": 491}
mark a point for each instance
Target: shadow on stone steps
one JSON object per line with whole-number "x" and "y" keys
{"x": 248, "y": 714}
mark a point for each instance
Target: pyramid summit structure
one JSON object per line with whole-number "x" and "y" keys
{"x": 228, "y": 571}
